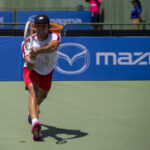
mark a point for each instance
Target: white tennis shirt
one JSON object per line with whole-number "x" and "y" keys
{"x": 44, "y": 63}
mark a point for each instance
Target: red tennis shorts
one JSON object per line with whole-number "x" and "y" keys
{"x": 43, "y": 81}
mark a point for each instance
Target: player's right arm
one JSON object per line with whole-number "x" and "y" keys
{"x": 29, "y": 62}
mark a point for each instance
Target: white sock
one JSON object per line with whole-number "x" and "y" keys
{"x": 34, "y": 121}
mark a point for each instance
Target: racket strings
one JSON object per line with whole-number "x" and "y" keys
{"x": 28, "y": 35}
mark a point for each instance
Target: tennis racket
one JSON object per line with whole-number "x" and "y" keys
{"x": 28, "y": 31}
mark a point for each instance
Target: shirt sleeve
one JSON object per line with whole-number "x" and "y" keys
{"x": 56, "y": 37}
{"x": 138, "y": 11}
{"x": 25, "y": 51}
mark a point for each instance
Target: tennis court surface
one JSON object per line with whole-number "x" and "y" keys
{"x": 101, "y": 115}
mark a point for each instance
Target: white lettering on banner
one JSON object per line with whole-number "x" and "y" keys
{"x": 106, "y": 56}
{"x": 138, "y": 60}
{"x": 63, "y": 21}
{"x": 126, "y": 59}
{"x": 123, "y": 58}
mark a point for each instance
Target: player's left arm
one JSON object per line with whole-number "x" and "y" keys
{"x": 50, "y": 48}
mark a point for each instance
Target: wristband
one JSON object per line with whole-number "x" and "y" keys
{"x": 31, "y": 61}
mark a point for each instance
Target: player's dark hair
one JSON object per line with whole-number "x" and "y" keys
{"x": 42, "y": 19}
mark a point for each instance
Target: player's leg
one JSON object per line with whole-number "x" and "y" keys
{"x": 42, "y": 95}
{"x": 34, "y": 110}
{"x": 136, "y": 26}
{"x": 31, "y": 81}
{"x": 98, "y": 21}
{"x": 44, "y": 87}
{"x": 33, "y": 100}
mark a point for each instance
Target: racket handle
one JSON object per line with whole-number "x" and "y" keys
{"x": 31, "y": 61}
{"x": 31, "y": 49}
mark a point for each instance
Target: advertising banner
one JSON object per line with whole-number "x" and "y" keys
{"x": 57, "y": 17}
{"x": 103, "y": 58}
{"x": 6, "y": 17}
{"x": 85, "y": 59}
{"x": 10, "y": 58}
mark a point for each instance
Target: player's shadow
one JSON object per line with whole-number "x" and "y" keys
{"x": 55, "y": 132}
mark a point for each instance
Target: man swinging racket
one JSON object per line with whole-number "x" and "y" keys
{"x": 38, "y": 68}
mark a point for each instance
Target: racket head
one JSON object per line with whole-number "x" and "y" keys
{"x": 53, "y": 28}
{"x": 28, "y": 31}
{"x": 56, "y": 28}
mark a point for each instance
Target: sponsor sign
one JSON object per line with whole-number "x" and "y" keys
{"x": 57, "y": 17}
{"x": 6, "y": 17}
{"x": 103, "y": 58}
{"x": 85, "y": 59}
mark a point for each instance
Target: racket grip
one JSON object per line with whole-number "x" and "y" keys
{"x": 31, "y": 61}
{"x": 31, "y": 49}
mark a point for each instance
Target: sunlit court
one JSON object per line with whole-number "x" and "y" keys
{"x": 80, "y": 115}
{"x": 75, "y": 75}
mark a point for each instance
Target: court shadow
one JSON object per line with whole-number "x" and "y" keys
{"x": 55, "y": 132}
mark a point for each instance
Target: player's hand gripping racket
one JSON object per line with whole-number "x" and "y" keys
{"x": 28, "y": 35}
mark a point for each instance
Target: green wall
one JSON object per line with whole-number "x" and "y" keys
{"x": 42, "y": 4}
{"x": 118, "y": 11}
{"x": 115, "y": 11}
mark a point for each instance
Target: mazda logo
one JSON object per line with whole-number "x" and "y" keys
{"x": 73, "y": 59}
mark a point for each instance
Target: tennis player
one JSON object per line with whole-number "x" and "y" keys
{"x": 38, "y": 68}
